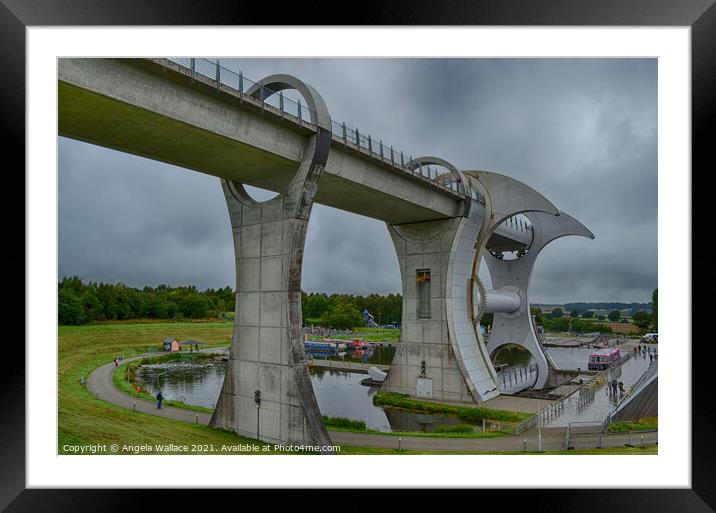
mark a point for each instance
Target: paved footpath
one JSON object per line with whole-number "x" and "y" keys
{"x": 100, "y": 383}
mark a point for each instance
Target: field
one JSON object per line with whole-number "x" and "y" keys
{"x": 622, "y": 327}
{"x": 83, "y": 419}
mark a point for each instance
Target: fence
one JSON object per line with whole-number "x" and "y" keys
{"x": 580, "y": 435}
{"x": 298, "y": 112}
{"x": 500, "y": 425}
{"x": 586, "y": 393}
{"x": 634, "y": 389}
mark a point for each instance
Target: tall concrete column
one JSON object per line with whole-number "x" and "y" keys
{"x": 267, "y": 356}
{"x": 439, "y": 355}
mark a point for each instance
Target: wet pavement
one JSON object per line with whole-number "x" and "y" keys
{"x": 596, "y": 408}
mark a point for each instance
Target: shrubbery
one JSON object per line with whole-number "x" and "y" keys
{"x": 473, "y": 414}
{"x": 343, "y": 422}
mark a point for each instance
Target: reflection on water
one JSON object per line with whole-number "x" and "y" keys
{"x": 570, "y": 358}
{"x": 567, "y": 358}
{"x": 603, "y": 401}
{"x": 512, "y": 354}
{"x": 372, "y": 355}
{"x": 191, "y": 382}
{"x": 339, "y": 394}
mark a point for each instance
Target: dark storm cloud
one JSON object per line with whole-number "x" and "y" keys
{"x": 583, "y": 132}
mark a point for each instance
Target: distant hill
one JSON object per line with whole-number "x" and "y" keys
{"x": 583, "y": 307}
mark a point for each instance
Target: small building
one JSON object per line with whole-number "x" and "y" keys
{"x": 172, "y": 344}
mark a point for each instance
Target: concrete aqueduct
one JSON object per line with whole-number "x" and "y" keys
{"x": 443, "y": 222}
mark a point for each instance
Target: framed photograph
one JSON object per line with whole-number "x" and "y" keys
{"x": 375, "y": 312}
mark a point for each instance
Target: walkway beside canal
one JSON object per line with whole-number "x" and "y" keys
{"x": 553, "y": 439}
{"x": 347, "y": 366}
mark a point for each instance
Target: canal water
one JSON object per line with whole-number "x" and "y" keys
{"x": 339, "y": 394}
{"x": 567, "y": 358}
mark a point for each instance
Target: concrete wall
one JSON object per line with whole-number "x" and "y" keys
{"x": 426, "y": 246}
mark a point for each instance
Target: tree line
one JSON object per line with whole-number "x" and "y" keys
{"x": 80, "y": 303}
{"x": 345, "y": 311}
{"x": 644, "y": 320}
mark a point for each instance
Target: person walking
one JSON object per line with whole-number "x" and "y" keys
{"x": 160, "y": 398}
{"x": 651, "y": 358}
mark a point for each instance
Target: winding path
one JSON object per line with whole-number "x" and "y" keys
{"x": 100, "y": 383}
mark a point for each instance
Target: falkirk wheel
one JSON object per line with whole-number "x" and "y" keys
{"x": 267, "y": 392}
{"x": 442, "y": 223}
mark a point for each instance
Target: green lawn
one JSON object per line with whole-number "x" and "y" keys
{"x": 83, "y": 419}
{"x": 637, "y": 425}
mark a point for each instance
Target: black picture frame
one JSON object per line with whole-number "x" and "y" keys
{"x": 17, "y": 15}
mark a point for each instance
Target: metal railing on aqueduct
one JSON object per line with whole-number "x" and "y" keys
{"x": 298, "y": 112}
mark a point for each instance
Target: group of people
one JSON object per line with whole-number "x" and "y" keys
{"x": 645, "y": 351}
{"x": 614, "y": 386}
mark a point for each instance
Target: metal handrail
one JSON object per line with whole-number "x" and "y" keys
{"x": 342, "y": 133}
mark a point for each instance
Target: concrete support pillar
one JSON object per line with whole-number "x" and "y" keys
{"x": 267, "y": 353}
{"x": 440, "y": 355}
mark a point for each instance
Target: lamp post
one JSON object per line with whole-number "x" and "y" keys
{"x": 539, "y": 428}
{"x": 257, "y": 400}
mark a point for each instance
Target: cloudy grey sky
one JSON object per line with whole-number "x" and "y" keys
{"x": 581, "y": 131}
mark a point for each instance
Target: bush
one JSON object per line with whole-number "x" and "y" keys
{"x": 343, "y": 422}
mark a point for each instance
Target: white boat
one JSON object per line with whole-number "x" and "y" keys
{"x": 376, "y": 374}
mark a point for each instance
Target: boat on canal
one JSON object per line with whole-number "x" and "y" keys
{"x": 603, "y": 358}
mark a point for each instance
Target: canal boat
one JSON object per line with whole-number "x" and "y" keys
{"x": 319, "y": 346}
{"x": 325, "y": 345}
{"x": 358, "y": 343}
{"x": 603, "y": 359}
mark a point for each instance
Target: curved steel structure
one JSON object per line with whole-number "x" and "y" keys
{"x": 516, "y": 327}
{"x": 506, "y": 197}
{"x": 281, "y": 82}
{"x": 458, "y": 177}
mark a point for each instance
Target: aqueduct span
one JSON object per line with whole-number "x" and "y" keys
{"x": 443, "y": 221}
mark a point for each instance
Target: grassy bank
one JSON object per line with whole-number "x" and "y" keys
{"x": 84, "y": 419}
{"x": 639, "y": 425}
{"x": 473, "y": 414}
{"x": 446, "y": 431}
